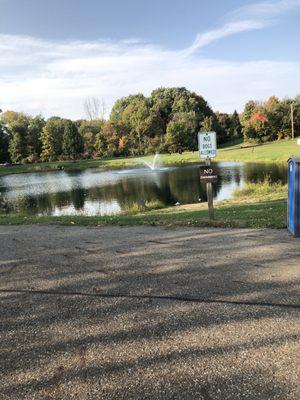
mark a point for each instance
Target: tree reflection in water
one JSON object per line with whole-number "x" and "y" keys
{"x": 94, "y": 192}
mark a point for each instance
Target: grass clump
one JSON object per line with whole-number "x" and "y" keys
{"x": 136, "y": 208}
{"x": 261, "y": 191}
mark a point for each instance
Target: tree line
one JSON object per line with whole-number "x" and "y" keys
{"x": 270, "y": 120}
{"x": 167, "y": 121}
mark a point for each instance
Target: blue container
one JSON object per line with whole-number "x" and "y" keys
{"x": 294, "y": 196}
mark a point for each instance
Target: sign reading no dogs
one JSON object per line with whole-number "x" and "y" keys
{"x": 207, "y": 144}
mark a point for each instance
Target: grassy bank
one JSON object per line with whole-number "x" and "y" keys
{"x": 263, "y": 191}
{"x": 278, "y": 151}
{"x": 260, "y": 205}
{"x": 251, "y": 213}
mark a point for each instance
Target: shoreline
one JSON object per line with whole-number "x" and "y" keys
{"x": 236, "y": 213}
{"x": 105, "y": 165}
{"x": 277, "y": 152}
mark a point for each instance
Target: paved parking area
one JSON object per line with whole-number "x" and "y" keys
{"x": 148, "y": 313}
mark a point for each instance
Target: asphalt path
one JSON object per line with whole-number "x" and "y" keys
{"x": 148, "y": 313}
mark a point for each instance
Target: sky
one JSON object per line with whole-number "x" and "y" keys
{"x": 55, "y": 54}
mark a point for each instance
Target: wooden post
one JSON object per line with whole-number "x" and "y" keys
{"x": 209, "y": 192}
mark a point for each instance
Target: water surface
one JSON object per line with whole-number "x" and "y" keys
{"x": 101, "y": 192}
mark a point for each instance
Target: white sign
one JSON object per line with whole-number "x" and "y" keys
{"x": 207, "y": 144}
{"x": 298, "y": 142}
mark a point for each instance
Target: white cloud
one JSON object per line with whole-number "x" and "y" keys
{"x": 54, "y": 77}
{"x": 228, "y": 29}
{"x": 248, "y": 18}
{"x": 265, "y": 10}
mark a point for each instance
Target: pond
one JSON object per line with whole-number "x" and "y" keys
{"x": 102, "y": 192}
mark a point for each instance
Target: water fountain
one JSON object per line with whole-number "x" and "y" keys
{"x": 152, "y": 165}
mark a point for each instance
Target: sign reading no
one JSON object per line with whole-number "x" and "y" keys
{"x": 208, "y": 174}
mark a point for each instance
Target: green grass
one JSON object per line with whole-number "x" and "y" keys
{"x": 261, "y": 191}
{"x": 278, "y": 151}
{"x": 259, "y": 214}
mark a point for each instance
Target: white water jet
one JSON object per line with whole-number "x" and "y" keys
{"x": 152, "y": 165}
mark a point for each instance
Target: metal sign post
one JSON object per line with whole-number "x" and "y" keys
{"x": 208, "y": 149}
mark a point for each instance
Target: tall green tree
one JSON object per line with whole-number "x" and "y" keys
{"x": 17, "y": 148}
{"x": 211, "y": 124}
{"x": 136, "y": 116}
{"x": 285, "y": 106}
{"x": 273, "y": 110}
{"x": 154, "y": 140}
{"x": 224, "y": 121}
{"x": 51, "y": 138}
{"x": 116, "y": 114}
{"x": 235, "y": 125}
{"x": 4, "y": 140}
{"x": 34, "y": 142}
{"x": 108, "y": 140}
{"x": 90, "y": 130}
{"x": 181, "y": 131}
{"x": 18, "y": 130}
{"x": 72, "y": 143}
{"x": 170, "y": 101}
{"x": 230, "y": 126}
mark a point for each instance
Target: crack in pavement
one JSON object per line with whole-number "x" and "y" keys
{"x": 150, "y": 297}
